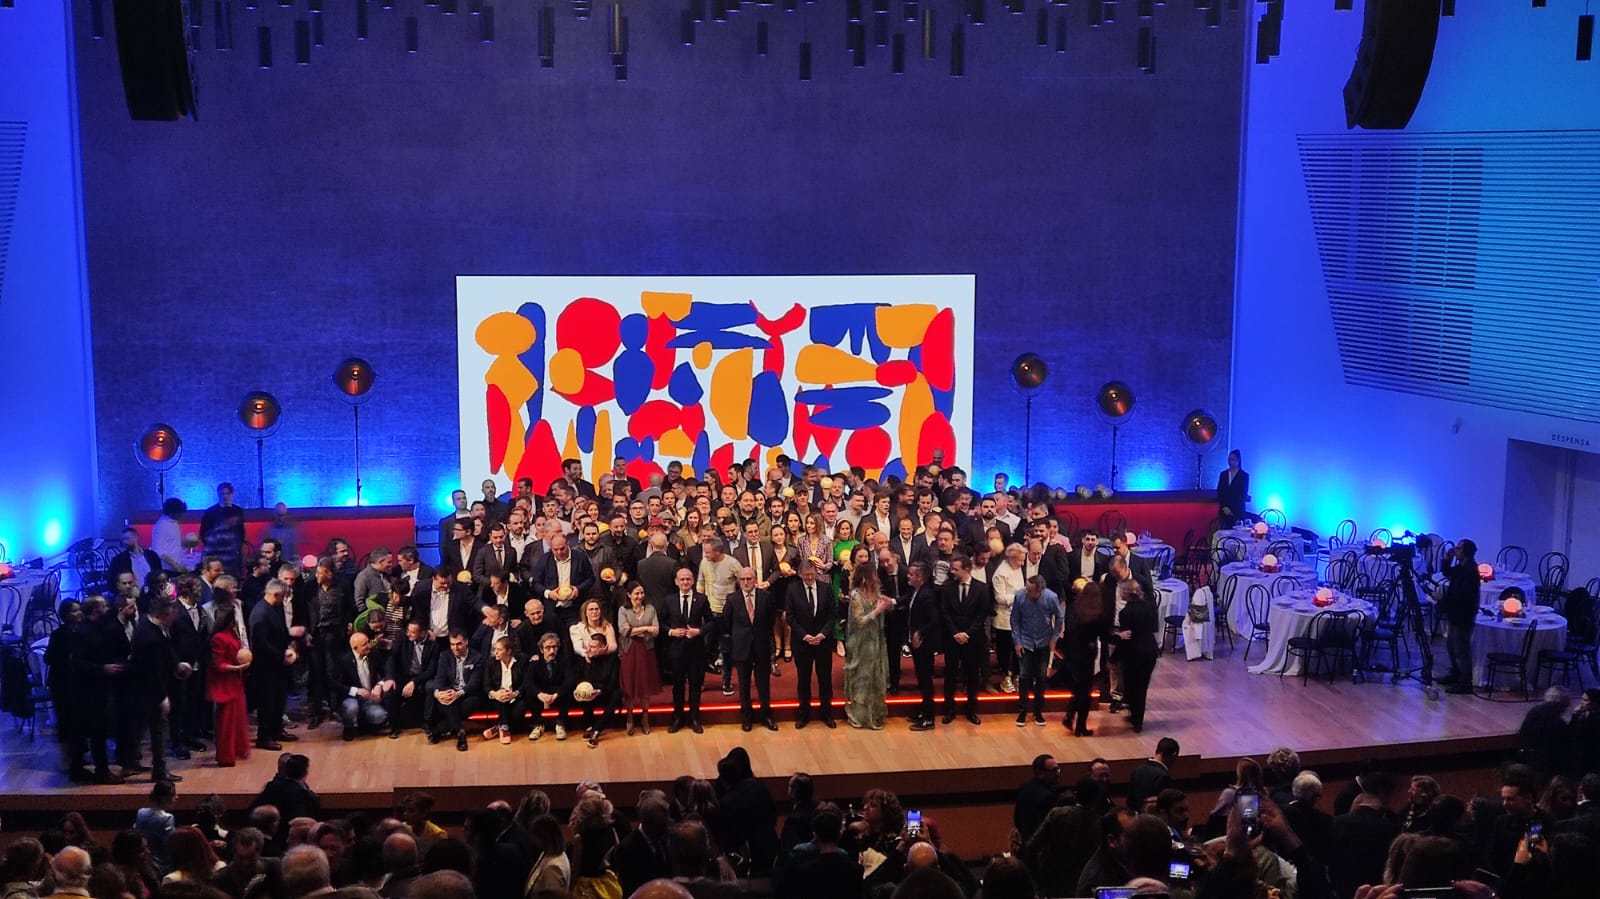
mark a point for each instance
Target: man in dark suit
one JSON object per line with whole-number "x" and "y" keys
{"x": 908, "y": 545}
{"x": 359, "y": 686}
{"x": 496, "y": 558}
{"x": 503, "y": 677}
{"x": 1586, "y": 821}
{"x": 411, "y": 669}
{"x": 1138, "y": 566}
{"x": 563, "y": 577}
{"x": 509, "y": 595}
{"x": 444, "y": 605}
{"x": 686, "y": 617}
{"x": 925, "y": 636}
{"x": 156, "y": 674}
{"x": 134, "y": 558}
{"x": 572, "y": 471}
{"x": 658, "y": 570}
{"x": 965, "y": 604}
{"x": 459, "y": 551}
{"x": 895, "y": 583}
{"x": 110, "y": 646}
{"x": 757, "y": 556}
{"x": 456, "y": 691}
{"x": 547, "y": 686}
{"x": 1087, "y": 561}
{"x": 1153, "y": 774}
{"x": 642, "y": 855}
{"x": 461, "y": 511}
{"x": 411, "y": 570}
{"x": 812, "y": 613}
{"x": 1233, "y": 491}
{"x": 271, "y": 645}
{"x": 495, "y": 626}
{"x": 750, "y": 612}
{"x": 619, "y": 475}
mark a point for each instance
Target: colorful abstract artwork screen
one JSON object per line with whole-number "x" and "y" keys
{"x": 837, "y": 370}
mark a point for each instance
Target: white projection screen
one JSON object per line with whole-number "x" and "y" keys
{"x": 836, "y": 370}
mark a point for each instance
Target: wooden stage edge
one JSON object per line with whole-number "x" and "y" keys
{"x": 1215, "y": 709}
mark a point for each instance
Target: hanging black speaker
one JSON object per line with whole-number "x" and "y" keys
{"x": 156, "y": 58}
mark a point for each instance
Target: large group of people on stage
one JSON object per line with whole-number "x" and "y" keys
{"x": 585, "y": 601}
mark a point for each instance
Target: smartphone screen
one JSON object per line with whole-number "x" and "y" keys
{"x": 1178, "y": 871}
{"x": 913, "y": 823}
{"x": 1249, "y": 804}
{"x": 1114, "y": 893}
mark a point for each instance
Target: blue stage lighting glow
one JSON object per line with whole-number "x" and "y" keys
{"x": 1147, "y": 475}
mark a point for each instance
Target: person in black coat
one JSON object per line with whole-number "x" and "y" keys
{"x": 1233, "y": 491}
{"x": 749, "y": 613}
{"x": 1086, "y": 626}
{"x": 685, "y": 617}
{"x": 1138, "y": 648}
{"x": 456, "y": 691}
{"x": 894, "y": 583}
{"x": 156, "y": 673}
{"x": 966, "y": 604}
{"x": 549, "y": 584}
{"x": 274, "y": 653}
{"x": 131, "y": 548}
{"x": 1037, "y": 796}
{"x": 191, "y": 639}
{"x": 444, "y": 604}
{"x": 642, "y": 856}
{"x": 812, "y": 612}
{"x": 91, "y": 667}
{"x": 925, "y": 636}
{"x": 819, "y": 867}
{"x": 358, "y": 699}
{"x": 748, "y": 820}
{"x": 289, "y": 793}
{"x": 547, "y": 685}
{"x": 1460, "y": 609}
{"x": 503, "y": 678}
{"x": 411, "y": 668}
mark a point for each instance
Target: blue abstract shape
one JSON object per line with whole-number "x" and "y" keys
{"x": 821, "y": 462}
{"x": 832, "y": 325}
{"x": 944, "y": 401}
{"x": 719, "y": 340}
{"x": 684, "y": 386}
{"x": 630, "y": 376}
{"x": 631, "y": 449}
{"x": 896, "y": 467}
{"x": 585, "y": 427}
{"x": 839, "y": 396}
{"x": 701, "y": 460}
{"x": 717, "y": 316}
{"x": 852, "y": 416}
{"x": 533, "y": 358}
{"x": 769, "y": 411}
{"x": 635, "y": 330}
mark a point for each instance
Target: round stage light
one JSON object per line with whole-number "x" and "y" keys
{"x": 160, "y": 445}
{"x": 260, "y": 411}
{"x": 1199, "y": 427}
{"x": 1029, "y": 371}
{"x": 1115, "y": 400}
{"x": 354, "y": 377}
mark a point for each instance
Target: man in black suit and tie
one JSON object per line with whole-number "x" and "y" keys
{"x": 547, "y": 686}
{"x": 358, "y": 678}
{"x": 1138, "y": 566}
{"x": 460, "y": 510}
{"x": 925, "y": 635}
{"x": 494, "y": 626}
{"x": 191, "y": 639}
{"x": 459, "y": 551}
{"x": 156, "y": 673}
{"x": 619, "y": 475}
{"x": 456, "y": 691}
{"x": 907, "y": 544}
{"x": 496, "y": 558}
{"x": 895, "y": 583}
{"x": 812, "y": 613}
{"x": 412, "y": 667}
{"x": 1233, "y": 491}
{"x": 563, "y": 577}
{"x": 111, "y": 647}
{"x": 686, "y": 617}
{"x": 965, "y": 603}
{"x": 750, "y": 612}
{"x": 510, "y": 596}
{"x": 1153, "y": 774}
{"x": 275, "y": 656}
{"x": 444, "y": 605}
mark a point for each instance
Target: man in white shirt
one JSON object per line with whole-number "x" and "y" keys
{"x": 362, "y": 682}
{"x": 166, "y": 537}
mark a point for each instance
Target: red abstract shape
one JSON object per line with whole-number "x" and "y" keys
{"x": 654, "y": 418}
{"x": 592, "y": 327}
{"x": 775, "y": 328}
{"x": 499, "y": 425}
{"x": 826, "y": 438}
{"x": 939, "y": 352}
{"x": 642, "y": 470}
{"x": 693, "y": 421}
{"x": 655, "y": 346}
{"x": 897, "y": 373}
{"x": 596, "y": 390}
{"x": 868, "y": 448}
{"x": 542, "y": 460}
{"x": 722, "y": 457}
{"x": 936, "y": 434}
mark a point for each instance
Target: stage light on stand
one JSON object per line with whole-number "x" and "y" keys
{"x": 354, "y": 378}
{"x": 1028, "y": 372}
{"x": 1114, "y": 404}
{"x": 158, "y": 449}
{"x": 260, "y": 413}
{"x": 1199, "y": 430}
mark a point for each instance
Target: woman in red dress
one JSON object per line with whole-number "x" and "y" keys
{"x": 225, "y": 688}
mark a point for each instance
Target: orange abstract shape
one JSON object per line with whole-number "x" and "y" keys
{"x": 818, "y": 363}
{"x": 701, "y": 354}
{"x": 903, "y": 326}
{"x": 730, "y": 393}
{"x": 600, "y": 463}
{"x": 505, "y": 334}
{"x": 660, "y": 303}
{"x": 570, "y": 450}
{"x": 675, "y": 444}
{"x": 916, "y": 405}
{"x": 566, "y": 372}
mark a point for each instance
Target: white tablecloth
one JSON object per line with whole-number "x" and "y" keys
{"x": 1489, "y": 593}
{"x": 1247, "y": 574}
{"x": 27, "y": 580}
{"x": 1290, "y": 616}
{"x": 1491, "y": 635}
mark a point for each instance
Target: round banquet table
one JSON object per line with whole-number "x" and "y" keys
{"x": 1507, "y": 635}
{"x": 1247, "y": 573}
{"x": 27, "y": 581}
{"x": 1290, "y": 616}
{"x": 1489, "y": 593}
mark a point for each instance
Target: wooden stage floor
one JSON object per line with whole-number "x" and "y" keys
{"x": 1215, "y": 709}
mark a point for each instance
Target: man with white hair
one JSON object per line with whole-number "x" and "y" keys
{"x": 1312, "y": 825}
{"x": 306, "y": 873}
{"x": 70, "y": 868}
